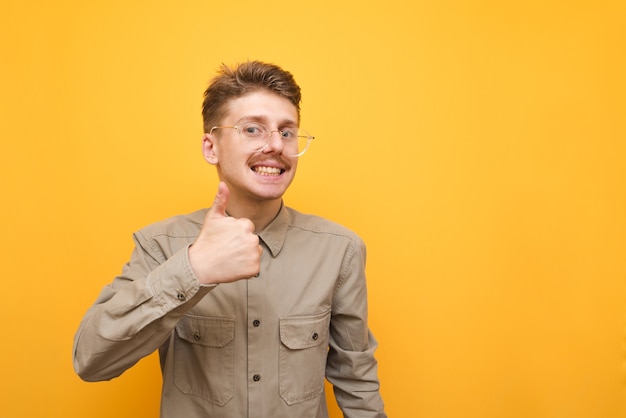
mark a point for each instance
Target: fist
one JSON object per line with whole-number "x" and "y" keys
{"x": 227, "y": 249}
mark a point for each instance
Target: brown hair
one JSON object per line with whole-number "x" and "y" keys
{"x": 231, "y": 83}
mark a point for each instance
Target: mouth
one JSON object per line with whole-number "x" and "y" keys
{"x": 268, "y": 171}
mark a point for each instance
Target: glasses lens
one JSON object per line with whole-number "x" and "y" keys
{"x": 300, "y": 144}
{"x": 255, "y": 134}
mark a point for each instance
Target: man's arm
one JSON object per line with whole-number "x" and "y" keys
{"x": 351, "y": 365}
{"x": 135, "y": 314}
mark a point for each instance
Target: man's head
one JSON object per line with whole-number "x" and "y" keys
{"x": 231, "y": 83}
{"x": 251, "y": 120}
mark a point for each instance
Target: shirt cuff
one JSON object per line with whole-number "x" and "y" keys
{"x": 174, "y": 283}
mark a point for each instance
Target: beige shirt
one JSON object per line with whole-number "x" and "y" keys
{"x": 252, "y": 348}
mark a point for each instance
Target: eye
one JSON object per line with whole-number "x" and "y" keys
{"x": 289, "y": 133}
{"x": 253, "y": 130}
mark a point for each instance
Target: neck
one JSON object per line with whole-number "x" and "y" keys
{"x": 261, "y": 213}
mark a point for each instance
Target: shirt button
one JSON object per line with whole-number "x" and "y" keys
{"x": 315, "y": 336}
{"x": 196, "y": 336}
{"x": 256, "y": 322}
{"x": 256, "y": 377}
{"x": 180, "y": 296}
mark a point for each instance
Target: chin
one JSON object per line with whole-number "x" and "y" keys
{"x": 270, "y": 191}
{"x": 271, "y": 195}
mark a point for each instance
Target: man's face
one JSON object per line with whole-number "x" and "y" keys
{"x": 249, "y": 173}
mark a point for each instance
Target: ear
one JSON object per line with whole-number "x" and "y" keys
{"x": 209, "y": 149}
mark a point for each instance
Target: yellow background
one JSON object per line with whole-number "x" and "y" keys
{"x": 477, "y": 146}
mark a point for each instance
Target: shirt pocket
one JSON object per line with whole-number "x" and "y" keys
{"x": 303, "y": 353}
{"x": 204, "y": 355}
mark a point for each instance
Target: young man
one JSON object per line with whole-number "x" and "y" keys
{"x": 250, "y": 303}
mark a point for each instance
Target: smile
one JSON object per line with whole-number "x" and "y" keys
{"x": 268, "y": 171}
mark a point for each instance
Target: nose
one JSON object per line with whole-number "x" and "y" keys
{"x": 274, "y": 143}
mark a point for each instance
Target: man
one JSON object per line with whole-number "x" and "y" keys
{"x": 250, "y": 303}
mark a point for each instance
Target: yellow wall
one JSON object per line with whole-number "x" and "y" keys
{"x": 477, "y": 146}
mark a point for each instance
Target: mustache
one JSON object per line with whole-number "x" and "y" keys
{"x": 275, "y": 159}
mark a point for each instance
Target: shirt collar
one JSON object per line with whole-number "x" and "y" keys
{"x": 275, "y": 233}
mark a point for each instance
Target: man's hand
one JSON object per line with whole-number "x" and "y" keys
{"x": 227, "y": 249}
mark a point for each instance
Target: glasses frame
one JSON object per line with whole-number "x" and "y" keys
{"x": 268, "y": 136}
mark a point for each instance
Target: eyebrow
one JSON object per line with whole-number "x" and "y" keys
{"x": 264, "y": 120}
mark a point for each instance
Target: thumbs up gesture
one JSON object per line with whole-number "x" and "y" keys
{"x": 227, "y": 249}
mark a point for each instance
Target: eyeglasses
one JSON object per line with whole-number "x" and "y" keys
{"x": 295, "y": 141}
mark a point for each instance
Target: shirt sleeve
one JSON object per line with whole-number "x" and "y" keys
{"x": 351, "y": 367}
{"x": 136, "y": 313}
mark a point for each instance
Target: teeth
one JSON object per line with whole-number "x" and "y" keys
{"x": 267, "y": 171}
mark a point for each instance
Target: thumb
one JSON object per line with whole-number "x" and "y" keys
{"x": 218, "y": 210}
